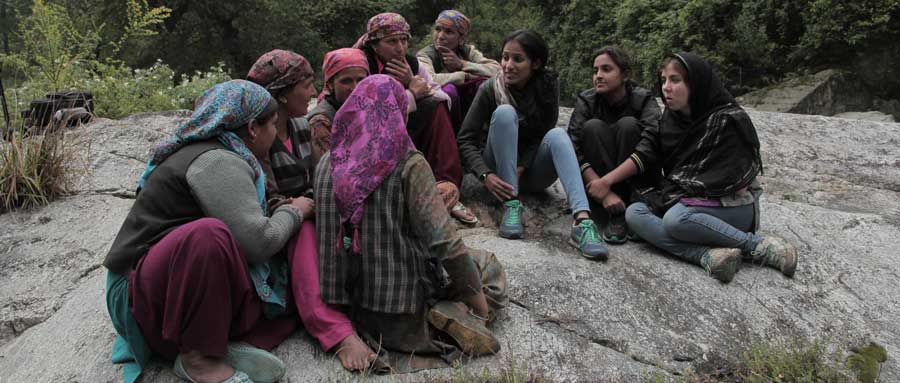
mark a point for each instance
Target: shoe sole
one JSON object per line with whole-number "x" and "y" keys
{"x": 260, "y": 365}
{"x": 730, "y": 267}
{"x": 511, "y": 236}
{"x": 601, "y": 257}
{"x": 180, "y": 372}
{"x": 481, "y": 344}
{"x": 614, "y": 241}
{"x": 791, "y": 267}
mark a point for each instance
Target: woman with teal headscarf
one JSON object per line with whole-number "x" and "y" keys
{"x": 195, "y": 263}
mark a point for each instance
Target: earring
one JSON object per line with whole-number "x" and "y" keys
{"x": 282, "y": 100}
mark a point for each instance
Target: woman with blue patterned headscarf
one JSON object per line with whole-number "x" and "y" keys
{"x": 196, "y": 262}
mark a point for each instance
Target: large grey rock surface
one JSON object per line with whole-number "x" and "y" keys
{"x": 873, "y": 115}
{"x": 827, "y": 93}
{"x": 832, "y": 189}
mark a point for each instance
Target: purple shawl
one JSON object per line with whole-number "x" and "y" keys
{"x": 368, "y": 140}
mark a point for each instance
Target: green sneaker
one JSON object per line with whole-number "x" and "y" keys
{"x": 511, "y": 226}
{"x": 586, "y": 238}
{"x": 616, "y": 230}
{"x": 777, "y": 253}
{"x": 722, "y": 263}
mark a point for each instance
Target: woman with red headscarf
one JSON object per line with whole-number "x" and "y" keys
{"x": 292, "y": 160}
{"x": 343, "y": 69}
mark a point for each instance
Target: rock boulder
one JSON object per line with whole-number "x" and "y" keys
{"x": 832, "y": 188}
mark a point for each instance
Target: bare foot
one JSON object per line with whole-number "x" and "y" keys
{"x": 354, "y": 354}
{"x": 203, "y": 369}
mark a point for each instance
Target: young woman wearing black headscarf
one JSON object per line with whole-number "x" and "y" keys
{"x": 706, "y": 209}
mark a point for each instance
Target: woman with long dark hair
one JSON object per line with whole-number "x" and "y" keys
{"x": 510, "y": 142}
{"x": 605, "y": 127}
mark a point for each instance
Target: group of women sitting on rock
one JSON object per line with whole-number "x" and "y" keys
{"x": 258, "y": 212}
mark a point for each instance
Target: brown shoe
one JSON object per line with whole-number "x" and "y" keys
{"x": 469, "y": 332}
{"x": 722, "y": 263}
{"x": 777, "y": 253}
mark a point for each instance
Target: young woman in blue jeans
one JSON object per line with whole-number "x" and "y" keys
{"x": 705, "y": 210}
{"x": 509, "y": 140}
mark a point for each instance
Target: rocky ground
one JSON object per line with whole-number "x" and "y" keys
{"x": 832, "y": 188}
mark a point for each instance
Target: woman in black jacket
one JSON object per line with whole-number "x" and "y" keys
{"x": 605, "y": 127}
{"x": 705, "y": 210}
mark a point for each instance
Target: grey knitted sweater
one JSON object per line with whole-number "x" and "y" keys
{"x": 222, "y": 184}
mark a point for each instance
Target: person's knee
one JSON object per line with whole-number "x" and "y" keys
{"x": 628, "y": 125}
{"x": 211, "y": 227}
{"x": 505, "y": 116}
{"x": 557, "y": 136}
{"x": 451, "y": 90}
{"x": 674, "y": 221}
{"x": 636, "y": 212}
{"x": 593, "y": 129}
{"x": 212, "y": 236}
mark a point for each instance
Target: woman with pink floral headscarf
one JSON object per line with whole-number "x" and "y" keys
{"x": 385, "y": 239}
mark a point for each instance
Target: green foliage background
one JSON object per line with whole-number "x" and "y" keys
{"x": 752, "y": 43}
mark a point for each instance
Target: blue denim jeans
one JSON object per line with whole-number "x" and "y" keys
{"x": 688, "y": 232}
{"x": 555, "y": 158}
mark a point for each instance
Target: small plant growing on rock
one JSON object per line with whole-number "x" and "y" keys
{"x": 34, "y": 170}
{"x": 796, "y": 361}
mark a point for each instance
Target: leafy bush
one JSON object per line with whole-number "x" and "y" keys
{"x": 59, "y": 53}
{"x": 120, "y": 91}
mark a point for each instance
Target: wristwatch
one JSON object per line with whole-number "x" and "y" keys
{"x": 483, "y": 176}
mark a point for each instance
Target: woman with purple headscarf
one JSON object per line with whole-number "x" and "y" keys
{"x": 386, "y": 241}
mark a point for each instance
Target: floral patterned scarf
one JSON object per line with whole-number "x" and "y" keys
{"x": 368, "y": 141}
{"x": 455, "y": 19}
{"x": 279, "y": 69}
{"x": 220, "y": 110}
{"x": 381, "y": 26}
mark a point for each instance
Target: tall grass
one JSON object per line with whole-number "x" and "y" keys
{"x": 34, "y": 169}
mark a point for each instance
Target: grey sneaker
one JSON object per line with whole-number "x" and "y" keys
{"x": 777, "y": 253}
{"x": 586, "y": 238}
{"x": 511, "y": 226}
{"x": 722, "y": 263}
